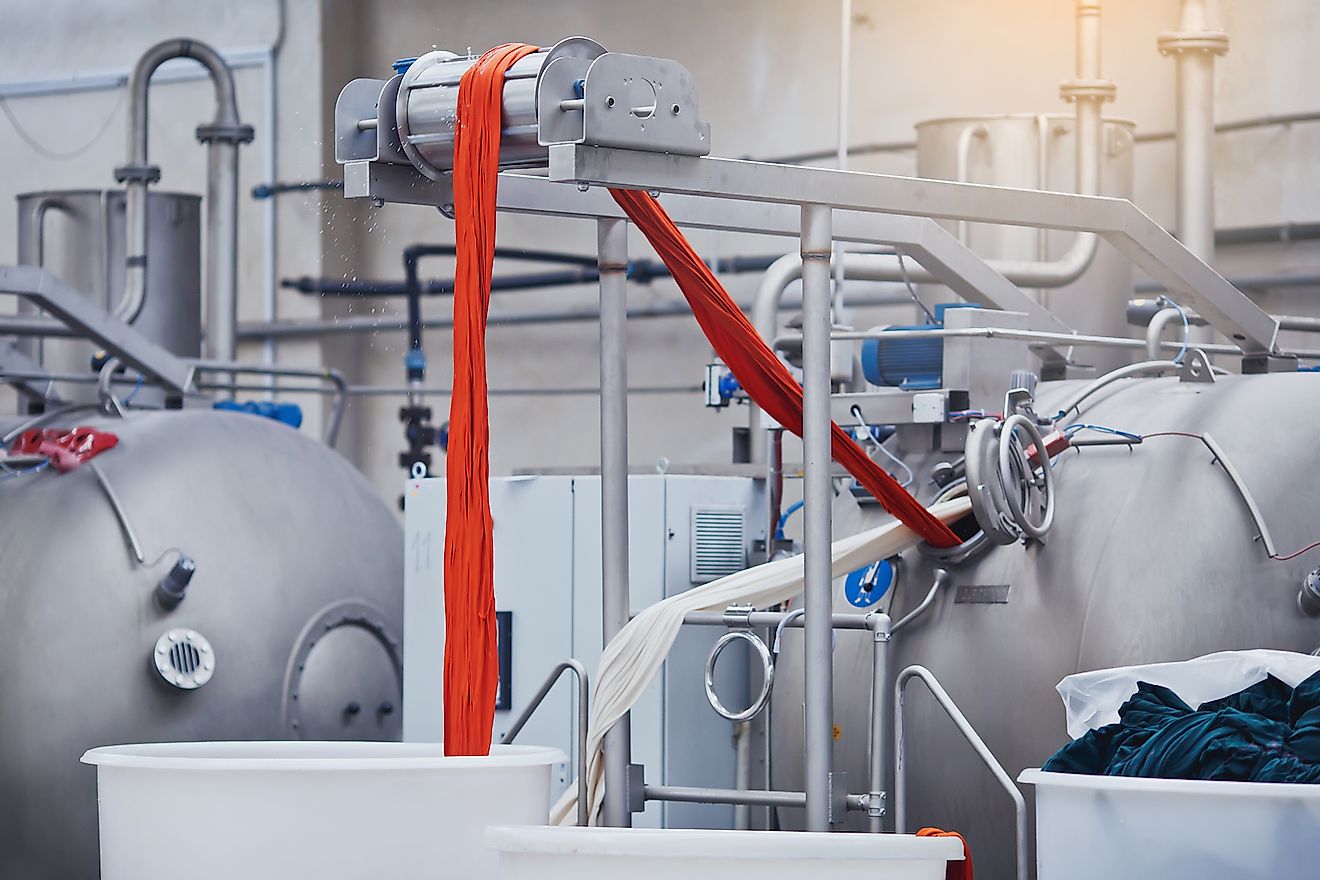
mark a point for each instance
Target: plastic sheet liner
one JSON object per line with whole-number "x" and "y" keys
{"x": 1092, "y": 699}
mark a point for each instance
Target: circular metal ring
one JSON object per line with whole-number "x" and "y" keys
{"x": 1012, "y": 453}
{"x": 984, "y": 486}
{"x": 767, "y": 677}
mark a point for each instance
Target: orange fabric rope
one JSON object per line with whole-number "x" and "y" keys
{"x": 471, "y": 678}
{"x": 955, "y": 870}
{"x": 471, "y": 675}
{"x": 756, "y": 367}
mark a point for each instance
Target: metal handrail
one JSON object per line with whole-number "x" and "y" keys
{"x": 328, "y": 374}
{"x": 973, "y": 738}
{"x": 584, "y": 719}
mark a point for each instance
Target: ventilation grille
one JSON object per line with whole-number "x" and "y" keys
{"x": 185, "y": 658}
{"x": 719, "y": 545}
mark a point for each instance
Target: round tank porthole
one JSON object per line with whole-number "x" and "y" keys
{"x": 184, "y": 659}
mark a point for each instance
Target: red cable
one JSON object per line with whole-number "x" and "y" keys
{"x": 756, "y": 367}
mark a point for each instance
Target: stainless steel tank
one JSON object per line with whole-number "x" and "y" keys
{"x": 1037, "y": 151}
{"x": 78, "y": 235}
{"x": 297, "y": 595}
{"x": 1153, "y": 557}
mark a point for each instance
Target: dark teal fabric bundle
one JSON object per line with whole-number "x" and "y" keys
{"x": 1266, "y": 733}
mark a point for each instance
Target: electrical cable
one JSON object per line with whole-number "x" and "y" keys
{"x": 56, "y": 155}
{"x": 912, "y": 291}
{"x": 1187, "y": 329}
{"x": 10, "y": 472}
{"x": 783, "y": 519}
{"x": 910, "y": 477}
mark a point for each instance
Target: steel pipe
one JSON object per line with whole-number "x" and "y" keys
{"x": 818, "y": 496}
{"x": 881, "y": 631}
{"x": 612, "y": 246}
{"x": 222, "y": 136}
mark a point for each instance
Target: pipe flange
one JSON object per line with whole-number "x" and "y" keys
{"x": 1177, "y": 42}
{"x": 767, "y": 675}
{"x": 1096, "y": 89}
{"x": 137, "y": 173}
{"x": 225, "y": 134}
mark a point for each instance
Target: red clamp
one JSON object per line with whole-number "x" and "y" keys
{"x": 1055, "y": 442}
{"x": 65, "y": 449}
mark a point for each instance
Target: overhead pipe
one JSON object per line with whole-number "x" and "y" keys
{"x": 222, "y": 137}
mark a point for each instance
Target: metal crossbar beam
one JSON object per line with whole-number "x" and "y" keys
{"x": 921, "y": 238}
{"x": 1119, "y": 221}
{"x": 80, "y": 314}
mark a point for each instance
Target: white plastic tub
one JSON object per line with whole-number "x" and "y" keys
{"x": 655, "y": 854}
{"x": 323, "y": 810}
{"x": 1094, "y": 827}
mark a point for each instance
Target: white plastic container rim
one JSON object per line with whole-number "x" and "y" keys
{"x": 721, "y": 844}
{"x": 313, "y": 756}
{"x": 1199, "y": 787}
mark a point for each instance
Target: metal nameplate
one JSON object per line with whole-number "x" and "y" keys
{"x": 982, "y": 594}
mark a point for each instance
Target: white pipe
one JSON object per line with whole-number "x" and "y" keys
{"x": 964, "y": 161}
{"x": 269, "y": 227}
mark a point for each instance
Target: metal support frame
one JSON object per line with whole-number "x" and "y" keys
{"x": 969, "y": 733}
{"x": 85, "y": 318}
{"x": 1118, "y": 221}
{"x": 26, "y": 376}
{"x": 927, "y": 243}
{"x": 584, "y": 720}
{"x": 612, "y": 246}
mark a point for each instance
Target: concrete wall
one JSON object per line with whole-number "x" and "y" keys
{"x": 767, "y": 79}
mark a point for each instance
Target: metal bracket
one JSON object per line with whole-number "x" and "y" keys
{"x": 838, "y": 788}
{"x": 630, "y": 102}
{"x": 1196, "y": 367}
{"x": 635, "y": 794}
{"x": 738, "y": 616}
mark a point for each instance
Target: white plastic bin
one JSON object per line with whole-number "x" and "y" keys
{"x": 323, "y": 810}
{"x": 1106, "y": 827}
{"x": 664, "y": 854}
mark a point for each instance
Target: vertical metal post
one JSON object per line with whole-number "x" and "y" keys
{"x": 612, "y": 250}
{"x": 817, "y": 496}
{"x": 876, "y": 806}
{"x": 222, "y": 254}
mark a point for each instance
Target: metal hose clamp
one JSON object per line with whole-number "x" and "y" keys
{"x": 767, "y": 677}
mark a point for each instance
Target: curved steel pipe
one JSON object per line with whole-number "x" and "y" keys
{"x": 1155, "y": 331}
{"x": 222, "y": 136}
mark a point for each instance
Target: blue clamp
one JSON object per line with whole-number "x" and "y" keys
{"x": 401, "y": 66}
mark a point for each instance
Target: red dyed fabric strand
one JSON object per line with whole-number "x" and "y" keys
{"x": 756, "y": 367}
{"x": 471, "y": 678}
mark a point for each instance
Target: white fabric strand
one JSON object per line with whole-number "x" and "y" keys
{"x": 633, "y": 657}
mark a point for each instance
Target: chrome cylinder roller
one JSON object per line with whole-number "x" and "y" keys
{"x": 572, "y": 92}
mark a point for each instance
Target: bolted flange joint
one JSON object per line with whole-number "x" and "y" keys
{"x": 1094, "y": 89}
{"x": 137, "y": 173}
{"x": 1177, "y": 42}
{"x": 230, "y": 134}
